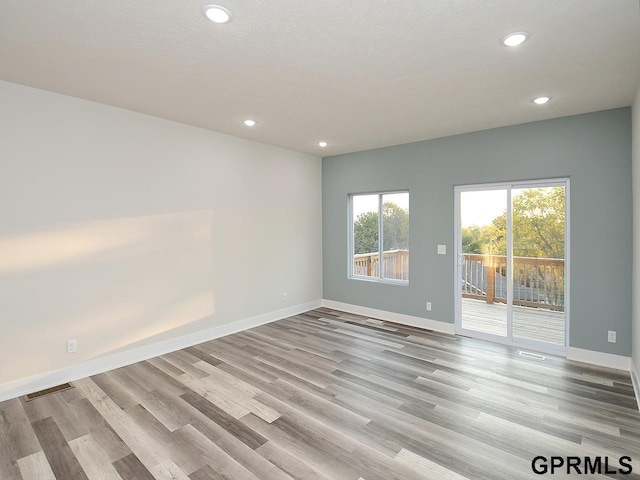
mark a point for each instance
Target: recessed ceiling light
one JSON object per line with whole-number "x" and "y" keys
{"x": 322, "y": 144}
{"x": 541, "y": 100}
{"x": 216, "y": 13}
{"x": 514, "y": 39}
{"x": 249, "y": 123}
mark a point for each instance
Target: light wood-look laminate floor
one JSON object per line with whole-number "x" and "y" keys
{"x": 324, "y": 395}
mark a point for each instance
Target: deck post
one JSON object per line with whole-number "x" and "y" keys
{"x": 491, "y": 280}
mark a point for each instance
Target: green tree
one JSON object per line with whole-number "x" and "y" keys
{"x": 395, "y": 223}
{"x": 538, "y": 227}
{"x": 495, "y": 236}
{"x": 538, "y": 223}
{"x": 365, "y": 233}
{"x": 489, "y": 239}
{"x": 472, "y": 241}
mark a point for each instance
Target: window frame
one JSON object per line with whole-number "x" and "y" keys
{"x": 351, "y": 238}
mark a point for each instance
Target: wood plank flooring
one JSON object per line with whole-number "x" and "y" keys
{"x": 324, "y": 395}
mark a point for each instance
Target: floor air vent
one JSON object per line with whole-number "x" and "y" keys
{"x": 49, "y": 391}
{"x": 535, "y": 356}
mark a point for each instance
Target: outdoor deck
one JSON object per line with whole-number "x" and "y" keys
{"x": 537, "y": 324}
{"x": 538, "y": 292}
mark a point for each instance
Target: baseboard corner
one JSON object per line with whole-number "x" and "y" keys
{"x": 409, "y": 320}
{"x": 601, "y": 359}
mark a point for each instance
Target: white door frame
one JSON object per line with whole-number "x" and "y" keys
{"x": 509, "y": 340}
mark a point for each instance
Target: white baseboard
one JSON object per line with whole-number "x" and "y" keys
{"x": 103, "y": 364}
{"x": 609, "y": 360}
{"x": 403, "y": 319}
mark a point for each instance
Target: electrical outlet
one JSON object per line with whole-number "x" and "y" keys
{"x": 71, "y": 346}
{"x": 285, "y": 297}
{"x": 428, "y": 306}
{"x": 611, "y": 336}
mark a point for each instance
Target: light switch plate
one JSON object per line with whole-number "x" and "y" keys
{"x": 442, "y": 249}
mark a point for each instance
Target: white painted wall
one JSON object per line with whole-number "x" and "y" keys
{"x": 122, "y": 230}
{"x": 635, "y": 155}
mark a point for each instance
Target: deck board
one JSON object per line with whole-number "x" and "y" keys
{"x": 529, "y": 323}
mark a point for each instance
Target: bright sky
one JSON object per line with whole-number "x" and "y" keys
{"x": 481, "y": 207}
{"x": 369, "y": 203}
{"x": 478, "y": 207}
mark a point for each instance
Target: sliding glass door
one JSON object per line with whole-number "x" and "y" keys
{"x": 512, "y": 263}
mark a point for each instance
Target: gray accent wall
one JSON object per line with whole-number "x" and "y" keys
{"x": 593, "y": 150}
{"x": 636, "y": 229}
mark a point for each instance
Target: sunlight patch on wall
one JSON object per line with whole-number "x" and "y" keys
{"x": 172, "y": 317}
{"x": 108, "y": 284}
{"x": 44, "y": 249}
{"x": 76, "y": 242}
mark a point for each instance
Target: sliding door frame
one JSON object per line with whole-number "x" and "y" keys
{"x": 509, "y": 339}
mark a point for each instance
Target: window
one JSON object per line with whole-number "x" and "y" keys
{"x": 379, "y": 230}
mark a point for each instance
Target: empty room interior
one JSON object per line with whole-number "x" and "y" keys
{"x": 319, "y": 240}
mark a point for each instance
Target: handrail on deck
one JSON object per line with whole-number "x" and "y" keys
{"x": 537, "y": 282}
{"x": 395, "y": 264}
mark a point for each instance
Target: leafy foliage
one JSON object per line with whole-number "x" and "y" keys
{"x": 365, "y": 233}
{"x": 538, "y": 227}
{"x": 395, "y": 225}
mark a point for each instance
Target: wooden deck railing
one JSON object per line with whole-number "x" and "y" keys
{"x": 538, "y": 282}
{"x": 395, "y": 264}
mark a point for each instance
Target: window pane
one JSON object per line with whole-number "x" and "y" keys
{"x": 538, "y": 225}
{"x": 395, "y": 235}
{"x": 365, "y": 235}
{"x": 483, "y": 263}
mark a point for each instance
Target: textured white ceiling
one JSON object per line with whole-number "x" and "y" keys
{"x": 360, "y": 74}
